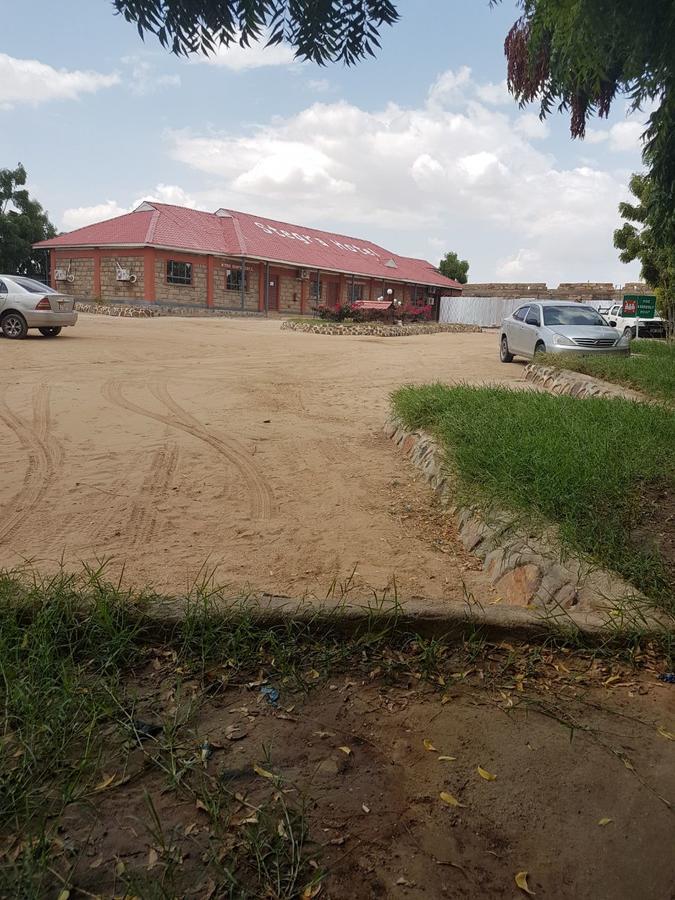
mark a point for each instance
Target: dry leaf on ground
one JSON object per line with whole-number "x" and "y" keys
{"x": 428, "y": 745}
{"x": 488, "y": 776}
{"x": 449, "y": 799}
{"x": 521, "y": 881}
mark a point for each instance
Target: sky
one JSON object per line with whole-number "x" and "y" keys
{"x": 421, "y": 150}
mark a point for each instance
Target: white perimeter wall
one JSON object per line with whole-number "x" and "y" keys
{"x": 487, "y": 311}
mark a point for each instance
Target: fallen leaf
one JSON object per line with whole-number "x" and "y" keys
{"x": 488, "y": 776}
{"x": 605, "y": 821}
{"x": 106, "y": 782}
{"x": 521, "y": 881}
{"x": 262, "y": 772}
{"x": 311, "y": 891}
{"x": 447, "y": 758}
{"x": 611, "y": 680}
{"x": 428, "y": 745}
{"x": 449, "y": 799}
{"x": 120, "y": 868}
{"x": 365, "y": 808}
{"x": 153, "y": 857}
{"x": 324, "y": 734}
{"x": 668, "y": 735}
{"x": 96, "y": 863}
{"x": 346, "y": 750}
{"x": 65, "y": 893}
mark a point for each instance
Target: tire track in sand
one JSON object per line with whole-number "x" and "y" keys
{"x": 260, "y": 493}
{"x": 44, "y": 458}
{"x": 142, "y": 523}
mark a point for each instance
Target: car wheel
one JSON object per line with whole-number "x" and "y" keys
{"x": 50, "y": 332}
{"x": 14, "y": 326}
{"x": 504, "y": 354}
{"x": 628, "y": 332}
{"x": 539, "y": 348}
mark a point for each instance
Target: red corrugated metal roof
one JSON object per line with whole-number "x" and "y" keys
{"x": 233, "y": 233}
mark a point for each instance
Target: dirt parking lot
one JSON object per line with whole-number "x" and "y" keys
{"x": 177, "y": 447}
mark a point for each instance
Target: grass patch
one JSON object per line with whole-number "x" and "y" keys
{"x": 582, "y": 465}
{"x": 81, "y": 672}
{"x": 650, "y": 367}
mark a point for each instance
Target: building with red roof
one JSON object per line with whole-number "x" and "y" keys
{"x": 228, "y": 260}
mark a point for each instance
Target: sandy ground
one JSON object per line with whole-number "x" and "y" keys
{"x": 580, "y": 798}
{"x": 179, "y": 447}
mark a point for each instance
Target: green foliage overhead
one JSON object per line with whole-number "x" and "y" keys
{"x": 642, "y": 237}
{"x": 321, "y": 30}
{"x": 579, "y": 55}
{"x": 23, "y": 222}
{"x": 453, "y": 267}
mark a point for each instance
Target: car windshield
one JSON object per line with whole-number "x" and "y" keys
{"x": 32, "y": 286}
{"x": 572, "y": 315}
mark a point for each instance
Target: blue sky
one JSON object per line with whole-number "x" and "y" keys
{"x": 421, "y": 149}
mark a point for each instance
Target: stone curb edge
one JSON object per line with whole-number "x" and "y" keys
{"x": 377, "y": 330}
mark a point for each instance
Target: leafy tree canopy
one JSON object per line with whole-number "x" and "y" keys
{"x": 320, "y": 30}
{"x": 642, "y": 239}
{"x": 23, "y": 222}
{"x": 453, "y": 267}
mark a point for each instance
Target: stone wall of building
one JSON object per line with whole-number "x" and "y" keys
{"x": 224, "y": 299}
{"x": 585, "y": 290}
{"x": 180, "y": 294}
{"x": 290, "y": 289}
{"x": 82, "y": 270}
{"x": 114, "y": 291}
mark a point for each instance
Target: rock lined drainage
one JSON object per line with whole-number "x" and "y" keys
{"x": 377, "y": 329}
{"x": 526, "y": 571}
{"x": 576, "y": 384}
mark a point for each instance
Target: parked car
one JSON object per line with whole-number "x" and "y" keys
{"x": 550, "y": 327}
{"x": 26, "y": 303}
{"x": 656, "y": 327}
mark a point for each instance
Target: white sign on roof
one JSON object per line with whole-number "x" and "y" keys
{"x": 308, "y": 239}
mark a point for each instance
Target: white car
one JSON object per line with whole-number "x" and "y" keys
{"x": 26, "y": 303}
{"x": 630, "y": 325}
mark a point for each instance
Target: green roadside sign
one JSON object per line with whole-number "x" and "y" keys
{"x": 642, "y": 306}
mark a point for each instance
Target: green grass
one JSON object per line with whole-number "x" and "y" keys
{"x": 650, "y": 367}
{"x": 581, "y": 465}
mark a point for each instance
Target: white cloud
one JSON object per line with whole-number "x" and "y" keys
{"x": 320, "y": 85}
{"x": 78, "y": 217}
{"x": 494, "y": 94}
{"x": 451, "y": 173}
{"x": 531, "y": 126}
{"x": 623, "y": 137}
{"x": 30, "y": 81}
{"x": 144, "y": 79}
{"x": 255, "y": 56}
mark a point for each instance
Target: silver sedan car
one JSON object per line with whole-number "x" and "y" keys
{"x": 550, "y": 327}
{"x": 26, "y": 303}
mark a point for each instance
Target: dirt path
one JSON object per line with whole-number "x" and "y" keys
{"x": 179, "y": 447}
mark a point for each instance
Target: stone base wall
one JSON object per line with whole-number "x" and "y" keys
{"x": 224, "y": 299}
{"x": 180, "y": 294}
{"x": 150, "y": 311}
{"x": 377, "y": 330}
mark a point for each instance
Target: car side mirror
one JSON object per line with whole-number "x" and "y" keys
{"x": 613, "y": 324}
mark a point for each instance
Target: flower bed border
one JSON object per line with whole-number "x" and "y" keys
{"x": 377, "y": 329}
{"x": 530, "y": 573}
{"x": 153, "y": 311}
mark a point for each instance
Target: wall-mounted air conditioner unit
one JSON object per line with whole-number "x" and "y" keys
{"x": 125, "y": 275}
{"x": 303, "y": 274}
{"x": 60, "y": 274}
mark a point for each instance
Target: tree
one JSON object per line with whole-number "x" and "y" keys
{"x": 23, "y": 222}
{"x": 453, "y": 267}
{"x": 579, "y": 56}
{"x": 320, "y": 30}
{"x": 639, "y": 238}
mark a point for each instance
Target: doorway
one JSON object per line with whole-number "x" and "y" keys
{"x": 273, "y": 293}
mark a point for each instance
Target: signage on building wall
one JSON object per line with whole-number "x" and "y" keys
{"x": 308, "y": 239}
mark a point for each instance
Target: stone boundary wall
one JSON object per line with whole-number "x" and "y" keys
{"x": 156, "y": 310}
{"x": 526, "y": 572}
{"x": 537, "y": 290}
{"x": 576, "y": 384}
{"x": 376, "y": 329}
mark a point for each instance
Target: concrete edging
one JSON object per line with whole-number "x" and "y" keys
{"x": 565, "y": 382}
